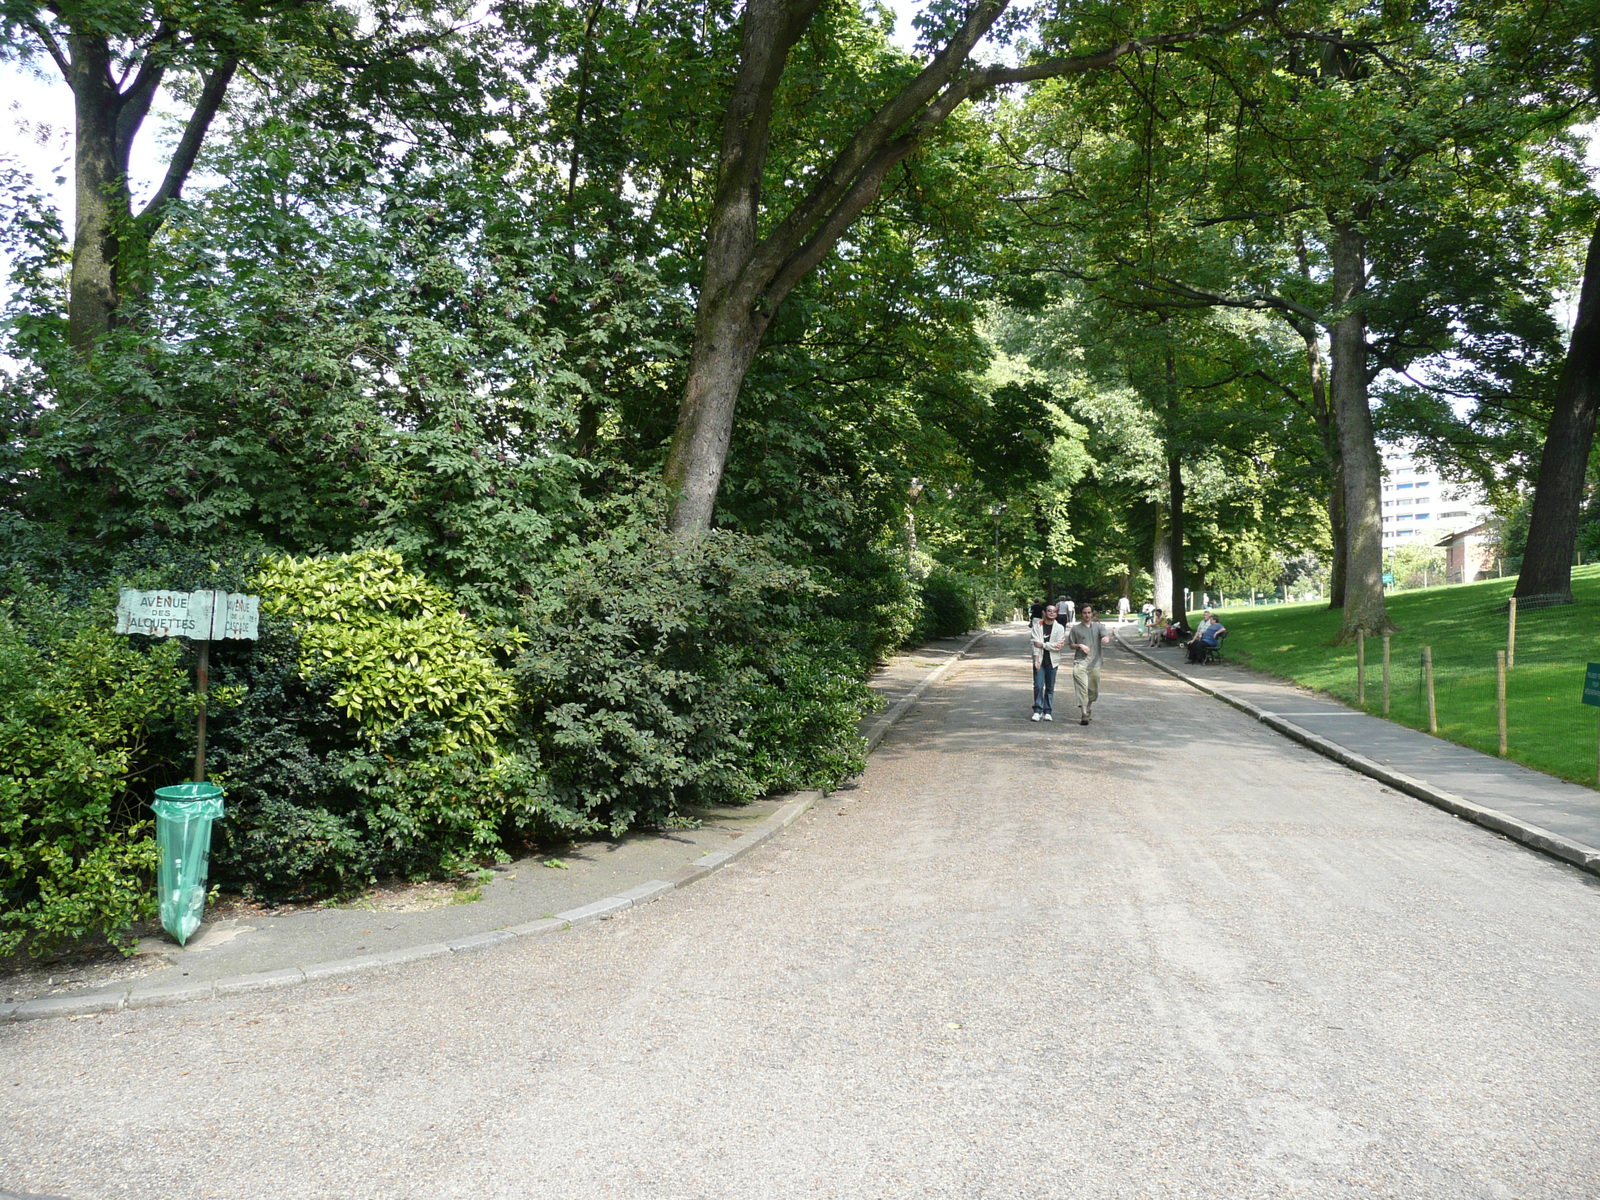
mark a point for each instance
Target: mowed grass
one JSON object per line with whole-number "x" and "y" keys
{"x": 1549, "y": 728}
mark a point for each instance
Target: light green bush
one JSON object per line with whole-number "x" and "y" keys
{"x": 78, "y": 706}
{"x": 396, "y": 646}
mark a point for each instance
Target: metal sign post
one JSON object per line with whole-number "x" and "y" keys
{"x": 203, "y": 617}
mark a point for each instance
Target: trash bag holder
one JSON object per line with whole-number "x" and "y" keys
{"x": 184, "y": 813}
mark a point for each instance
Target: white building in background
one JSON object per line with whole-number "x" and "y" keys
{"x": 1419, "y": 506}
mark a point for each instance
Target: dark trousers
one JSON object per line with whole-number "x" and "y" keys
{"x": 1044, "y": 687}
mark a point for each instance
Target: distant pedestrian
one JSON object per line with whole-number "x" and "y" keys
{"x": 1123, "y": 609}
{"x": 1049, "y": 638}
{"x": 1065, "y": 608}
{"x": 1088, "y": 639}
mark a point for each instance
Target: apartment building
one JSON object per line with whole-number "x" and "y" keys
{"x": 1419, "y": 506}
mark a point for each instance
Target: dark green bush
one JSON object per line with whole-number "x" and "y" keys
{"x": 371, "y": 739}
{"x": 949, "y": 604}
{"x": 661, "y": 676}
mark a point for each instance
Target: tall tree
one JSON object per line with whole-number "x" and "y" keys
{"x": 117, "y": 58}
{"x": 1558, "y": 494}
{"x": 749, "y": 273}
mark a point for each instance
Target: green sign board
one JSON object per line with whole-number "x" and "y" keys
{"x": 1591, "y": 685}
{"x": 1387, "y": 577}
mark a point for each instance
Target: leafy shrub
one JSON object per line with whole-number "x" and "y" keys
{"x": 395, "y": 645}
{"x": 875, "y": 599}
{"x": 81, "y": 707}
{"x": 949, "y": 604}
{"x": 660, "y": 676}
{"x": 372, "y": 739}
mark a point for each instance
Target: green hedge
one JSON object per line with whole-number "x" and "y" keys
{"x": 81, "y": 709}
{"x": 374, "y": 730}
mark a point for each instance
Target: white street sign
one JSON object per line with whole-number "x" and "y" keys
{"x": 204, "y": 616}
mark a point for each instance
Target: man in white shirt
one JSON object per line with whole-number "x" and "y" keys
{"x": 1049, "y": 635}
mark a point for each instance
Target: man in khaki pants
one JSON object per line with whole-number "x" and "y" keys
{"x": 1087, "y": 640}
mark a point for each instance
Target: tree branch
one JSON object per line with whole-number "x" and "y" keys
{"x": 852, "y": 181}
{"x": 135, "y": 102}
{"x": 42, "y": 31}
{"x": 862, "y": 149}
{"x": 188, "y": 148}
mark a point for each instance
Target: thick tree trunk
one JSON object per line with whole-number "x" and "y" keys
{"x": 746, "y": 278}
{"x": 725, "y": 345}
{"x": 1558, "y": 495}
{"x": 1161, "y": 563}
{"x": 1341, "y": 539}
{"x": 1327, "y": 430}
{"x": 101, "y": 192}
{"x": 1177, "y": 606}
{"x": 1364, "y": 609}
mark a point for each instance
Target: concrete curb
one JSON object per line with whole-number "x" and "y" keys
{"x": 1533, "y": 836}
{"x": 153, "y": 996}
{"x": 899, "y": 708}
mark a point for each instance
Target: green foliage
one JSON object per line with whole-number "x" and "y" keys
{"x": 659, "y": 676}
{"x": 1415, "y": 565}
{"x": 79, "y": 708}
{"x": 396, "y": 646}
{"x": 950, "y": 603}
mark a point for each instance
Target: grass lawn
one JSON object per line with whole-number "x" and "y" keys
{"x": 1548, "y": 726}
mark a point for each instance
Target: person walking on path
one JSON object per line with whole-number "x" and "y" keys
{"x": 1049, "y": 637}
{"x": 1088, "y": 639}
{"x": 1123, "y": 609}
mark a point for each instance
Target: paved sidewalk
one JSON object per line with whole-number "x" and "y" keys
{"x": 1539, "y": 810}
{"x": 526, "y": 897}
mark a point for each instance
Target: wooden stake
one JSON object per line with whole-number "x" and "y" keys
{"x": 1427, "y": 680}
{"x": 202, "y": 684}
{"x": 1500, "y": 696}
{"x": 1511, "y": 636}
{"x": 1361, "y": 668}
{"x": 1386, "y": 674}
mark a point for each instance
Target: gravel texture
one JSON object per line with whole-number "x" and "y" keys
{"x": 1169, "y": 955}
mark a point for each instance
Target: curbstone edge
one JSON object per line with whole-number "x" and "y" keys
{"x": 177, "y": 993}
{"x": 70, "y": 1006}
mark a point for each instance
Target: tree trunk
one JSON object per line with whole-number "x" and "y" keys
{"x": 724, "y": 347}
{"x": 1177, "y": 606}
{"x": 747, "y": 278}
{"x": 1558, "y": 495}
{"x": 1341, "y": 539}
{"x": 1161, "y": 563}
{"x": 1327, "y": 430}
{"x": 104, "y": 205}
{"x": 1364, "y": 610}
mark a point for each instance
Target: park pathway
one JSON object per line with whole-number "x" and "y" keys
{"x": 1168, "y": 955}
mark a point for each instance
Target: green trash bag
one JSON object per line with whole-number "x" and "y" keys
{"x": 184, "y": 813}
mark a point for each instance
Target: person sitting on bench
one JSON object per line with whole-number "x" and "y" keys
{"x": 1203, "y": 647}
{"x": 1156, "y": 626}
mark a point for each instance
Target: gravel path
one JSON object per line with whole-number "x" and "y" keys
{"x": 1169, "y": 955}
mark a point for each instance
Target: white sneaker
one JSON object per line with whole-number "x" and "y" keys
{"x": 1048, "y": 717}
{"x": 1035, "y": 717}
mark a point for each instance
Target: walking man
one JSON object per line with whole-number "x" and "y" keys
{"x": 1088, "y": 639}
{"x": 1049, "y": 638}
